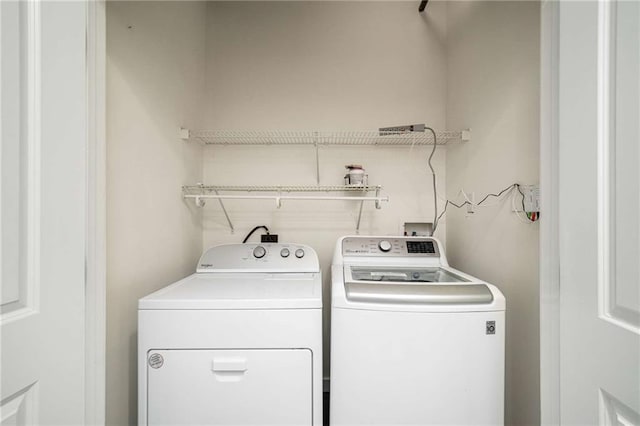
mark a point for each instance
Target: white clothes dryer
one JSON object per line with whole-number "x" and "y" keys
{"x": 239, "y": 342}
{"x": 413, "y": 341}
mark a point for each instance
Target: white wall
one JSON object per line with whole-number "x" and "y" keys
{"x": 493, "y": 88}
{"x": 323, "y": 66}
{"x": 155, "y": 76}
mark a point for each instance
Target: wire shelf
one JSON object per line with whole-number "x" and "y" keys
{"x": 212, "y": 189}
{"x": 249, "y": 137}
{"x": 200, "y": 193}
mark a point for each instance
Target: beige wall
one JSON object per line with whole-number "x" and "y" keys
{"x": 318, "y": 66}
{"x": 323, "y": 66}
{"x": 493, "y": 88}
{"x": 155, "y": 71}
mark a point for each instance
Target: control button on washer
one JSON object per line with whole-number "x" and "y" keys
{"x": 299, "y": 253}
{"x": 384, "y": 245}
{"x": 285, "y": 252}
{"x": 259, "y": 252}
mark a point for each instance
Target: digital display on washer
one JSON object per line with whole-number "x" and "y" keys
{"x": 420, "y": 247}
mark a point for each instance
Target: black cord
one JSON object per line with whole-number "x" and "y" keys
{"x": 502, "y": 192}
{"x": 516, "y": 185}
{"x": 521, "y": 193}
{"x": 254, "y": 230}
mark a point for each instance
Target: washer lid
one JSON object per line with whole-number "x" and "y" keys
{"x": 432, "y": 285}
{"x": 396, "y": 274}
{"x": 429, "y": 294}
{"x": 396, "y": 288}
{"x": 239, "y": 291}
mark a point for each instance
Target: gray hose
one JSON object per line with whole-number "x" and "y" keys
{"x": 433, "y": 174}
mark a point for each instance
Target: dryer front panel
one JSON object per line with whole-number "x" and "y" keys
{"x": 230, "y": 387}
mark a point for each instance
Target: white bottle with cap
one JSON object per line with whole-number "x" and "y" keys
{"x": 355, "y": 175}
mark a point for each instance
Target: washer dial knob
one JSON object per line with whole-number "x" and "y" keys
{"x": 259, "y": 252}
{"x": 299, "y": 253}
{"x": 285, "y": 252}
{"x": 384, "y": 246}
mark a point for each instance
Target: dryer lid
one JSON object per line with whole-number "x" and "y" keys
{"x": 239, "y": 291}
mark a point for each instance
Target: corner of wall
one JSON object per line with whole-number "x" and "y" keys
{"x": 155, "y": 84}
{"x": 493, "y": 68}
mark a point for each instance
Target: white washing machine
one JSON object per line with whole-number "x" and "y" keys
{"x": 413, "y": 341}
{"x": 237, "y": 343}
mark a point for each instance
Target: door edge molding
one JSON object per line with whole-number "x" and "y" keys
{"x": 95, "y": 267}
{"x": 549, "y": 226}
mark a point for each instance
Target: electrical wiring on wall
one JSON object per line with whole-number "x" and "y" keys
{"x": 433, "y": 175}
{"x": 531, "y": 216}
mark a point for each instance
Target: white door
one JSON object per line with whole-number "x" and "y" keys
{"x": 43, "y": 164}
{"x": 599, "y": 212}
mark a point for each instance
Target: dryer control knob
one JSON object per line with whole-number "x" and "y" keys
{"x": 259, "y": 252}
{"x": 299, "y": 253}
{"x": 384, "y": 245}
{"x": 284, "y": 252}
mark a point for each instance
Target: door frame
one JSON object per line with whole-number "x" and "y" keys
{"x": 549, "y": 225}
{"x": 96, "y": 254}
{"x": 95, "y": 299}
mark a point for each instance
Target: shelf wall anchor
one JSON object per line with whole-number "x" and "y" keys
{"x": 199, "y": 202}
{"x": 184, "y": 134}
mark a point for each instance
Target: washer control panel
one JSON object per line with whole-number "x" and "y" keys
{"x": 390, "y": 246}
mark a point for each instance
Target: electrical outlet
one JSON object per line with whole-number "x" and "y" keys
{"x": 417, "y": 229}
{"x": 269, "y": 238}
{"x": 398, "y": 130}
{"x": 531, "y": 198}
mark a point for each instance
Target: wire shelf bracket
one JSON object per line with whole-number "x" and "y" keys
{"x": 200, "y": 193}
